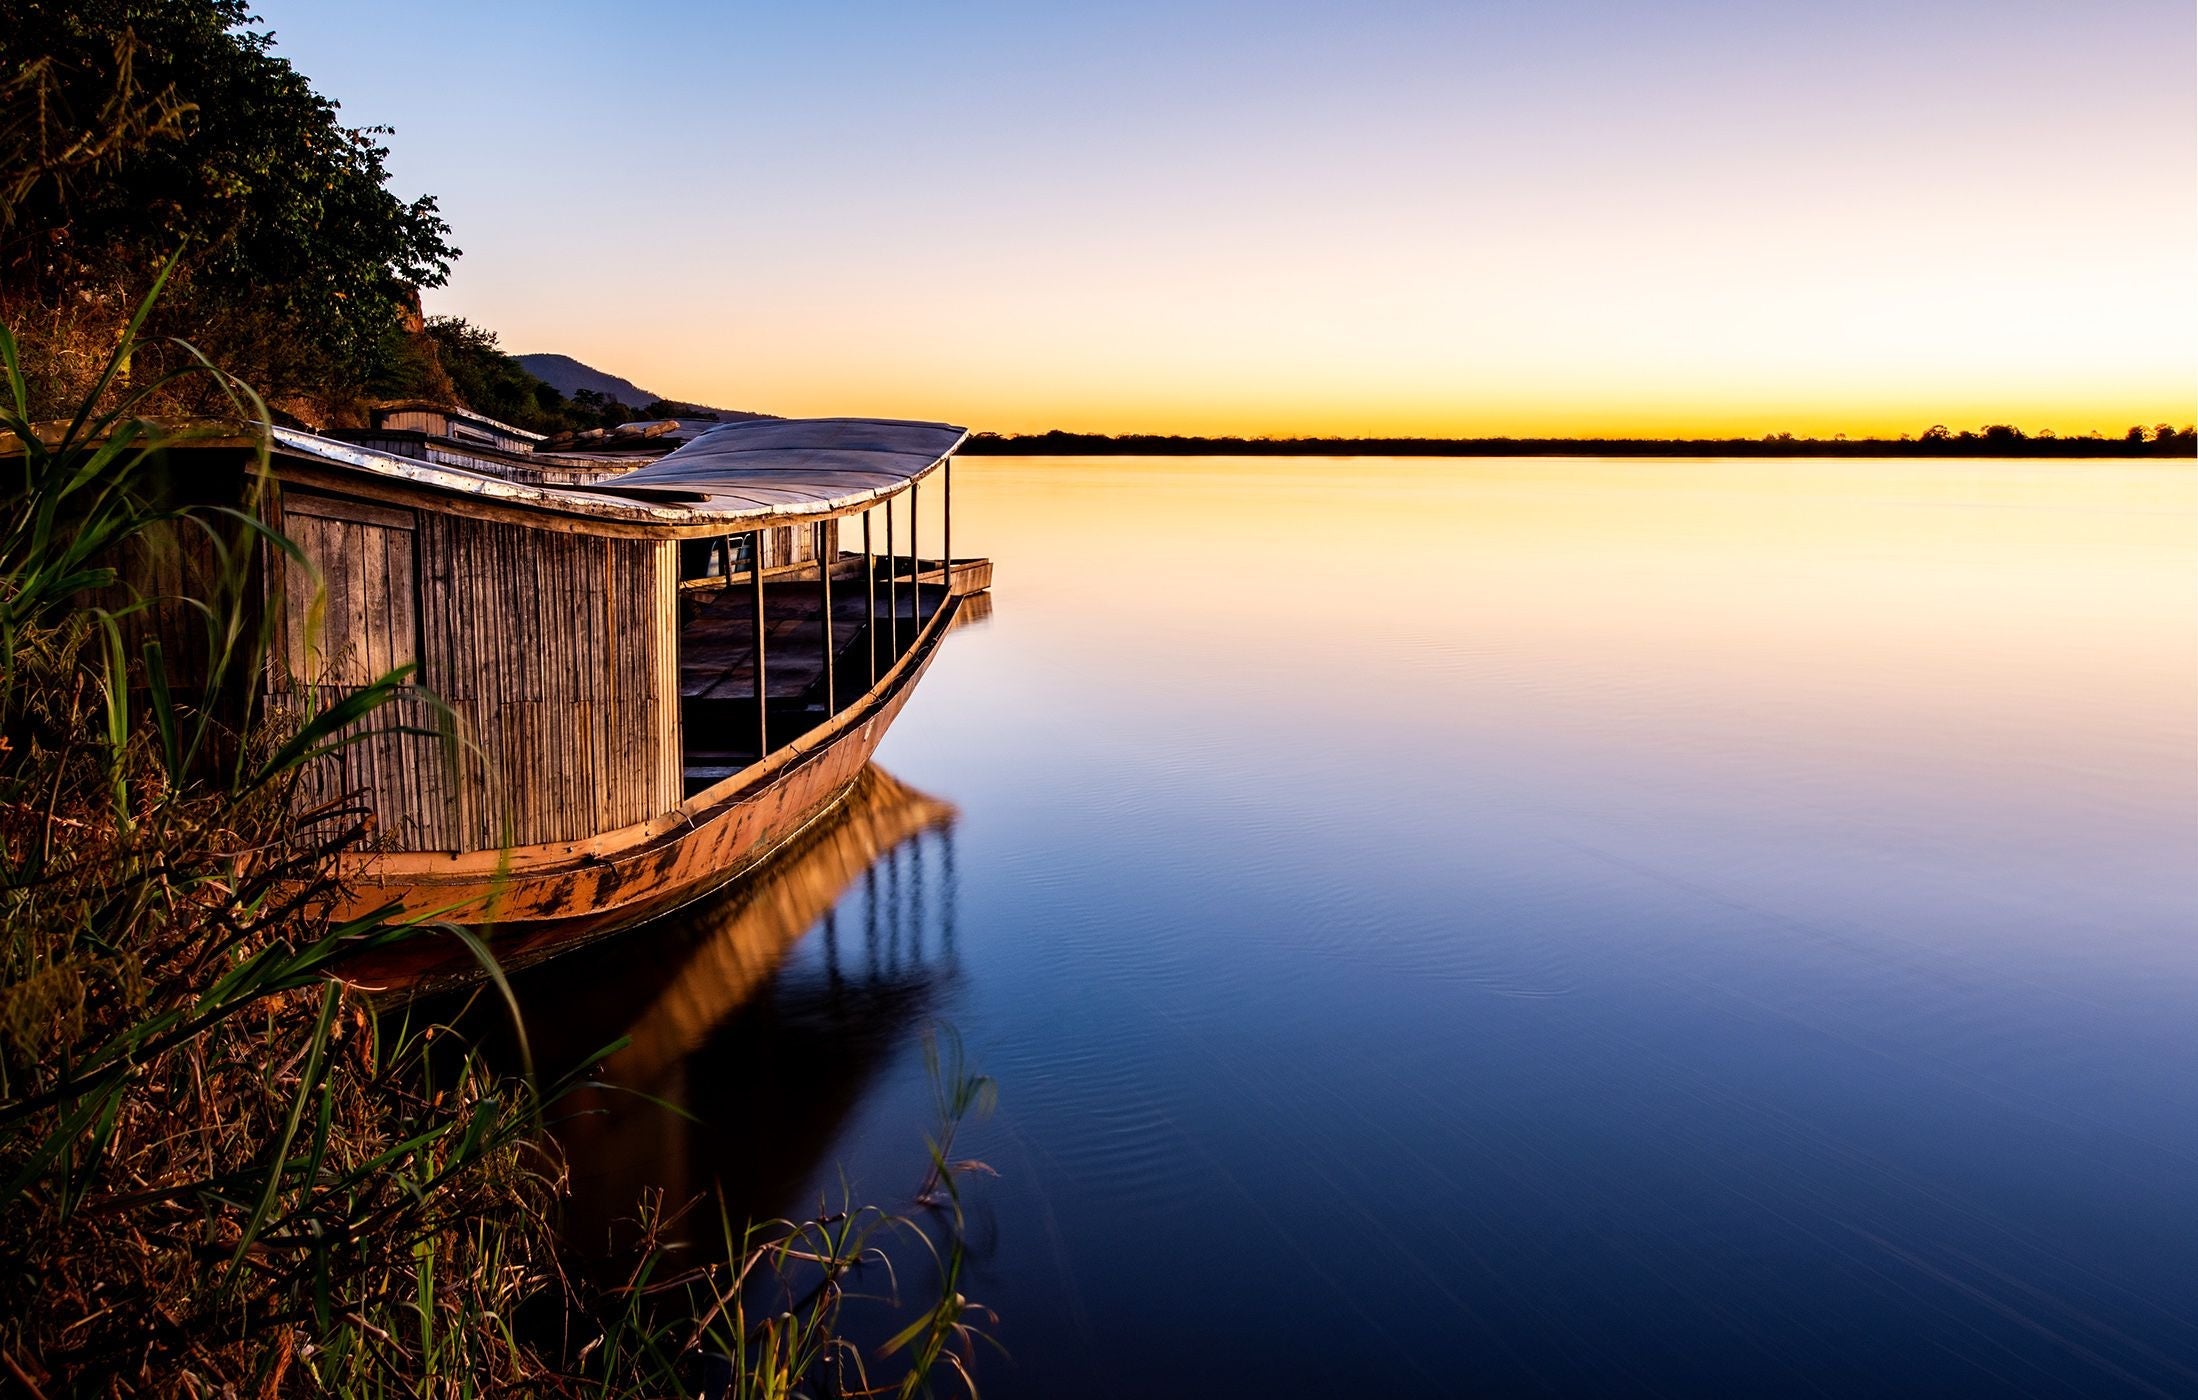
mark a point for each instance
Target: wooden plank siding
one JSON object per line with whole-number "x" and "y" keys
{"x": 174, "y": 560}
{"x": 362, "y": 624}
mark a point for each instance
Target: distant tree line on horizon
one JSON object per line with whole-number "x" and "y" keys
{"x": 1993, "y": 440}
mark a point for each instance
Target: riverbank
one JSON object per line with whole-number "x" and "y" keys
{"x": 230, "y": 1168}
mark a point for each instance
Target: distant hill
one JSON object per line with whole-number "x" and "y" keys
{"x": 568, "y": 376}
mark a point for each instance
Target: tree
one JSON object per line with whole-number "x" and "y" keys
{"x": 130, "y": 128}
{"x": 489, "y": 381}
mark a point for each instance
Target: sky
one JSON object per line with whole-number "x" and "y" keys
{"x": 1387, "y": 218}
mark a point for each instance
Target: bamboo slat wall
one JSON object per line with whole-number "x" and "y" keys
{"x": 559, "y": 655}
{"x": 555, "y": 653}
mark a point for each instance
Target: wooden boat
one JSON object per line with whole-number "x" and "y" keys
{"x": 643, "y": 680}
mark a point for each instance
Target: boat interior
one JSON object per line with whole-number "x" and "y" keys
{"x": 717, "y": 650}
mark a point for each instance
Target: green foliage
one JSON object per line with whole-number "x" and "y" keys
{"x": 766, "y": 1315}
{"x": 490, "y": 381}
{"x": 128, "y": 127}
{"x": 223, "y": 1171}
{"x": 209, "y": 1151}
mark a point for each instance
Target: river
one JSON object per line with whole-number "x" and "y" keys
{"x": 1559, "y": 926}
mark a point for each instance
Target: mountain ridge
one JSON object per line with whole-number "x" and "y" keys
{"x": 569, "y": 376}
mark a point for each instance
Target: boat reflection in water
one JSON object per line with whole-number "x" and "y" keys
{"x": 768, "y": 1057}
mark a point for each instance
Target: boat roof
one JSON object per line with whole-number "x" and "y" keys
{"x": 738, "y": 476}
{"x": 465, "y": 415}
{"x": 776, "y": 462}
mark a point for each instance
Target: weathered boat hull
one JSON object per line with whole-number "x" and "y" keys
{"x": 529, "y": 903}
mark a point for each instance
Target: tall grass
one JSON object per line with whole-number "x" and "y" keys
{"x": 221, "y": 1171}
{"x": 766, "y": 1313}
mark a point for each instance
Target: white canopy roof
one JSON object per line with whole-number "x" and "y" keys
{"x": 805, "y": 464}
{"x": 740, "y": 475}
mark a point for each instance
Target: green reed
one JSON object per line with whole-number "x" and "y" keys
{"x": 221, "y": 1169}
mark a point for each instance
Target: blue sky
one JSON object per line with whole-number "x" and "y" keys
{"x": 1392, "y": 217}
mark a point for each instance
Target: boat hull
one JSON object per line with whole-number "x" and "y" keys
{"x": 528, "y": 904}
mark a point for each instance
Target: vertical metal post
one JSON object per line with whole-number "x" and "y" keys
{"x": 870, "y": 917}
{"x": 915, "y": 558}
{"x": 870, "y": 597}
{"x": 893, "y": 908}
{"x": 953, "y": 890}
{"x": 755, "y": 593}
{"x": 916, "y": 900}
{"x": 946, "y": 543}
{"x": 817, "y": 533}
{"x": 892, "y": 586}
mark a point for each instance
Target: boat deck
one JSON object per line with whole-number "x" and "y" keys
{"x": 717, "y": 655}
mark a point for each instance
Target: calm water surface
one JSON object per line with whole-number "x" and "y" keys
{"x": 1558, "y": 926}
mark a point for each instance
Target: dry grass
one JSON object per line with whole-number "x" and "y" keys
{"x": 223, "y": 1172}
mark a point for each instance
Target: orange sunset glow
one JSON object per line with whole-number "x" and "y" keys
{"x": 1556, "y": 220}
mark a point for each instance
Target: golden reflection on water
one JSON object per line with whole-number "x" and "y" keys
{"x": 1912, "y": 606}
{"x": 668, "y": 990}
{"x": 1607, "y": 894}
{"x": 1889, "y": 660}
